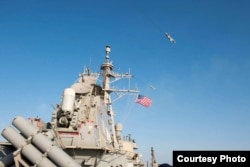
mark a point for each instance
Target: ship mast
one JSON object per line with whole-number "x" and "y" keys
{"x": 107, "y": 68}
{"x": 153, "y": 163}
{"x": 108, "y": 74}
{"x": 108, "y": 77}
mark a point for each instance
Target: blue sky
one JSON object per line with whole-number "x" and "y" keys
{"x": 202, "y": 95}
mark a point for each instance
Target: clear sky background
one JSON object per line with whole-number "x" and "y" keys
{"x": 202, "y": 95}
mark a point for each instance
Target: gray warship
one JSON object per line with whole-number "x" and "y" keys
{"x": 82, "y": 131}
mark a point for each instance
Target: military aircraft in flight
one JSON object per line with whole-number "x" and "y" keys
{"x": 170, "y": 38}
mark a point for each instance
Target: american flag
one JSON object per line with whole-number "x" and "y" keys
{"x": 143, "y": 100}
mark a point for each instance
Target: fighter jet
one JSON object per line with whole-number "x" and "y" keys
{"x": 170, "y": 38}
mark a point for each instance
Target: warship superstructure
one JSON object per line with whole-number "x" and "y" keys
{"x": 82, "y": 131}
